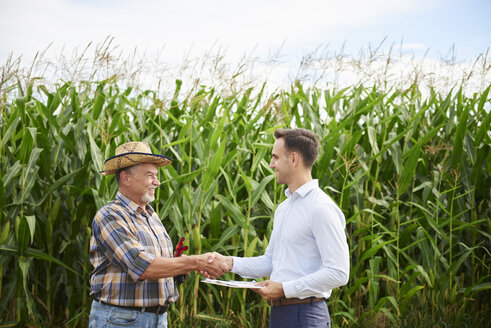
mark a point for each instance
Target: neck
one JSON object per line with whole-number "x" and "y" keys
{"x": 133, "y": 198}
{"x": 299, "y": 181}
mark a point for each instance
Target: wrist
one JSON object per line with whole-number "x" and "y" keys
{"x": 289, "y": 289}
{"x": 230, "y": 262}
{"x": 195, "y": 265}
{"x": 282, "y": 291}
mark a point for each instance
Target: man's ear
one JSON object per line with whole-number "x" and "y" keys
{"x": 124, "y": 177}
{"x": 295, "y": 159}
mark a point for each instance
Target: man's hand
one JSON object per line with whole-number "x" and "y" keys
{"x": 225, "y": 262}
{"x": 211, "y": 267}
{"x": 272, "y": 290}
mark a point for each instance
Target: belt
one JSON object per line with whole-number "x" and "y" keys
{"x": 157, "y": 309}
{"x": 283, "y": 301}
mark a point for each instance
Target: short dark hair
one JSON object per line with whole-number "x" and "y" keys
{"x": 118, "y": 174}
{"x": 300, "y": 140}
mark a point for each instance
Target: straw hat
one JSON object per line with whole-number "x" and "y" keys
{"x": 133, "y": 153}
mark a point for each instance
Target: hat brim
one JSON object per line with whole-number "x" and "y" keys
{"x": 118, "y": 162}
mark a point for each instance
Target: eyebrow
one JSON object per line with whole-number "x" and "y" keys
{"x": 150, "y": 172}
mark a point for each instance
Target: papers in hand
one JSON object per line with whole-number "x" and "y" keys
{"x": 232, "y": 283}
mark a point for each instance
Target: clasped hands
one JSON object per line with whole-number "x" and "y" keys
{"x": 218, "y": 264}
{"x": 213, "y": 265}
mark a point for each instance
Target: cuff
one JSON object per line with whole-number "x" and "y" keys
{"x": 140, "y": 264}
{"x": 289, "y": 288}
{"x": 236, "y": 264}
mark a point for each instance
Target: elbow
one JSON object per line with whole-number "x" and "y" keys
{"x": 340, "y": 278}
{"x": 151, "y": 272}
{"x": 143, "y": 276}
{"x": 344, "y": 278}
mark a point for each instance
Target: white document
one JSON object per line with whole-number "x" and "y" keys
{"x": 232, "y": 283}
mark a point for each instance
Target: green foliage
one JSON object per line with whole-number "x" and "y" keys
{"x": 412, "y": 176}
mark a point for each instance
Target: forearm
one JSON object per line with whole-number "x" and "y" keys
{"x": 254, "y": 267}
{"x": 168, "y": 267}
{"x": 162, "y": 267}
{"x": 316, "y": 283}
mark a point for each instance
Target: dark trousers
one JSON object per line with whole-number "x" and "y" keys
{"x": 300, "y": 316}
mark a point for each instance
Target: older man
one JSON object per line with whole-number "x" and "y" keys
{"x": 132, "y": 281}
{"x": 307, "y": 255}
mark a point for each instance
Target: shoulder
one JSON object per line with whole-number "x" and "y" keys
{"x": 111, "y": 211}
{"x": 324, "y": 208}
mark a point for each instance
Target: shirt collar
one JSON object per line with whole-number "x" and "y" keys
{"x": 304, "y": 189}
{"x": 132, "y": 206}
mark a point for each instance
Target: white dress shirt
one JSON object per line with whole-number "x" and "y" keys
{"x": 307, "y": 252}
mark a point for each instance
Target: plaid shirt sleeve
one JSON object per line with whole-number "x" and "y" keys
{"x": 120, "y": 245}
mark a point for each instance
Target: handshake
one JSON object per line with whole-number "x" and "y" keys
{"x": 213, "y": 265}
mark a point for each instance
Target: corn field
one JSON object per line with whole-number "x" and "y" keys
{"x": 411, "y": 173}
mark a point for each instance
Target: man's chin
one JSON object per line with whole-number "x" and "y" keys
{"x": 147, "y": 198}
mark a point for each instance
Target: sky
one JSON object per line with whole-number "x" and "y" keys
{"x": 428, "y": 28}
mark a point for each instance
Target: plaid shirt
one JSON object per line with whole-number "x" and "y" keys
{"x": 124, "y": 241}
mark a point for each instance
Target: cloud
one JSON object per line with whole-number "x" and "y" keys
{"x": 30, "y": 25}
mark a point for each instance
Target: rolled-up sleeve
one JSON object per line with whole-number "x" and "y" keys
{"x": 120, "y": 245}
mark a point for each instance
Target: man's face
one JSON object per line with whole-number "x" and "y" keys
{"x": 280, "y": 162}
{"x": 143, "y": 180}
